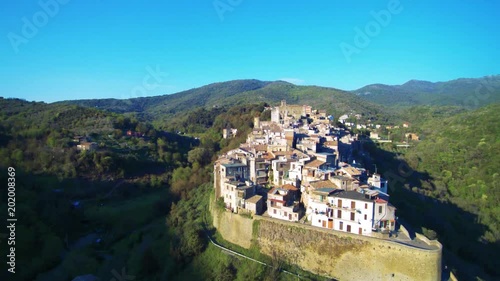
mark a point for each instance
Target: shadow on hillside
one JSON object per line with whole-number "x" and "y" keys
{"x": 464, "y": 251}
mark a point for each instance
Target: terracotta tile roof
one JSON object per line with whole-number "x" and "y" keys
{"x": 323, "y": 184}
{"x": 324, "y": 191}
{"x": 282, "y": 153}
{"x": 352, "y": 171}
{"x": 315, "y": 163}
{"x": 254, "y": 199}
{"x": 261, "y": 147}
{"x": 289, "y": 187}
{"x": 331, "y": 143}
{"x": 269, "y": 156}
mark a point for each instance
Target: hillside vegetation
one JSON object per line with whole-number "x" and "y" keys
{"x": 74, "y": 207}
{"x": 107, "y": 208}
{"x": 137, "y": 204}
{"x": 448, "y": 183}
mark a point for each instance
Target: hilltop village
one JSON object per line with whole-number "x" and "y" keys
{"x": 298, "y": 167}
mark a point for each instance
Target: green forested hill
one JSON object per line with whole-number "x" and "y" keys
{"x": 448, "y": 183}
{"x": 376, "y": 101}
{"x": 67, "y": 199}
{"x": 240, "y": 92}
{"x": 465, "y": 92}
{"x": 462, "y": 155}
{"x": 336, "y": 102}
{"x": 174, "y": 103}
{"x": 39, "y": 137}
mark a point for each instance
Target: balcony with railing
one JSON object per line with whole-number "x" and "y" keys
{"x": 344, "y": 208}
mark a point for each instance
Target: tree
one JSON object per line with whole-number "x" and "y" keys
{"x": 199, "y": 155}
{"x": 150, "y": 263}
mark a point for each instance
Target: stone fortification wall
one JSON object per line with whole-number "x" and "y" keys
{"x": 339, "y": 255}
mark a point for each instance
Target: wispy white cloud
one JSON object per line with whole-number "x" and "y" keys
{"x": 295, "y": 81}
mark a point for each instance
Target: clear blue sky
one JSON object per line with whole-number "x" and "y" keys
{"x": 102, "y": 48}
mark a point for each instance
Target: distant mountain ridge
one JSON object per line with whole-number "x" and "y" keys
{"x": 174, "y": 102}
{"x": 373, "y": 101}
{"x": 467, "y": 92}
{"x": 237, "y": 92}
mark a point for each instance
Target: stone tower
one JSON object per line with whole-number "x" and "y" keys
{"x": 256, "y": 122}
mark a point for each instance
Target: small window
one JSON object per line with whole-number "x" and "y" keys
{"x": 341, "y": 225}
{"x": 339, "y": 214}
{"x": 319, "y": 221}
{"x": 286, "y": 214}
{"x": 366, "y": 217}
{"x": 340, "y": 203}
{"x": 380, "y": 209}
{"x": 352, "y": 216}
{"x": 274, "y": 211}
{"x": 353, "y": 205}
{"x": 366, "y": 206}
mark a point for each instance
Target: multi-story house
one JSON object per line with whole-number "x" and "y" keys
{"x": 352, "y": 211}
{"x": 282, "y": 203}
{"x": 308, "y": 145}
{"x": 316, "y": 170}
{"x": 331, "y": 146}
{"x": 280, "y": 168}
{"x": 318, "y": 211}
{"x": 378, "y": 183}
{"x": 259, "y": 168}
{"x": 279, "y": 144}
{"x": 350, "y": 171}
{"x": 235, "y": 193}
{"x": 384, "y": 219}
{"x": 228, "y": 170}
{"x": 345, "y": 182}
{"x": 294, "y": 174}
